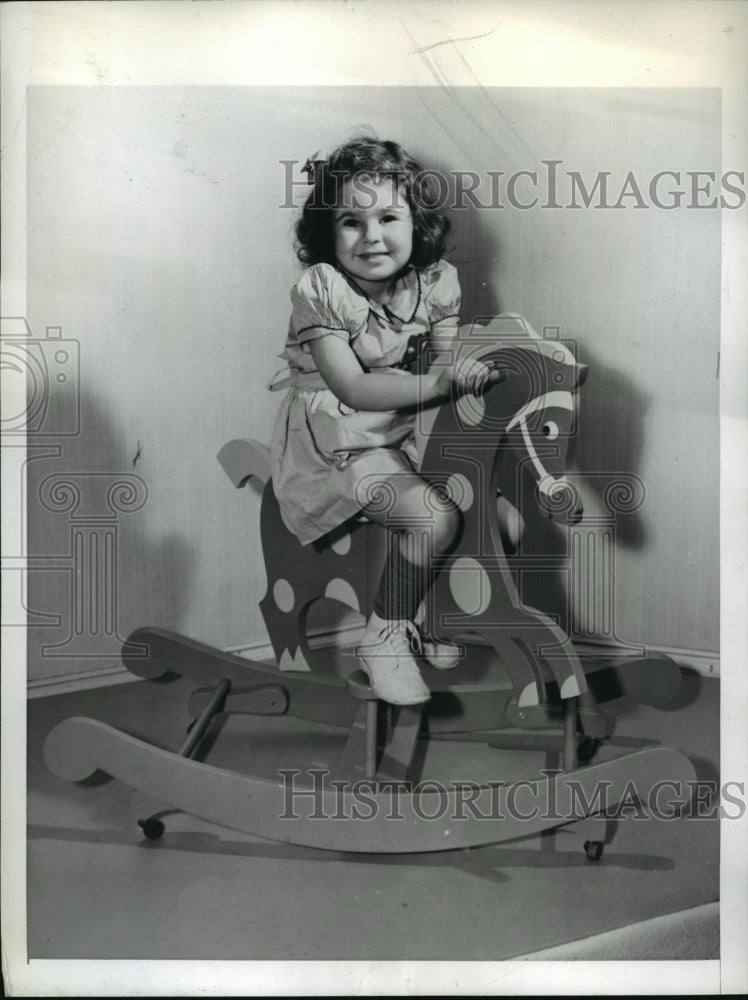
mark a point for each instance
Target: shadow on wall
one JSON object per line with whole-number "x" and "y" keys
{"x": 609, "y": 446}
{"x": 605, "y": 459}
{"x": 90, "y": 554}
{"x": 605, "y": 455}
{"x": 475, "y": 249}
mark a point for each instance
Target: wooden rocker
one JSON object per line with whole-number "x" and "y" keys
{"x": 522, "y": 683}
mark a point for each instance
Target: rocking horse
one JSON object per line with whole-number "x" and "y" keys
{"x": 521, "y": 683}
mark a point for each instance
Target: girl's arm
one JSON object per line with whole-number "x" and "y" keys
{"x": 342, "y": 372}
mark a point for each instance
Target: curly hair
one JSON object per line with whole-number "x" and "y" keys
{"x": 370, "y": 157}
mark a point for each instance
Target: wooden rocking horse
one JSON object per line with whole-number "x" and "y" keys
{"x": 522, "y": 685}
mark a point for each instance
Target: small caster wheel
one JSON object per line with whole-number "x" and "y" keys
{"x": 152, "y": 828}
{"x": 593, "y": 849}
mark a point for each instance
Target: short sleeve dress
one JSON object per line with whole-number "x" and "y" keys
{"x": 326, "y": 457}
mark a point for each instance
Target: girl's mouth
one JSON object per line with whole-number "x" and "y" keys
{"x": 374, "y": 255}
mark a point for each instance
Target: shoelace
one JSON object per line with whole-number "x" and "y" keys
{"x": 406, "y": 632}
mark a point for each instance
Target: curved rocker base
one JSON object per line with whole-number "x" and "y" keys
{"x": 360, "y": 816}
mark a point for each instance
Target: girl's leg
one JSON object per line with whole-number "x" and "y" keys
{"x": 423, "y": 525}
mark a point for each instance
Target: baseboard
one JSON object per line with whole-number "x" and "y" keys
{"x": 81, "y": 680}
{"x": 95, "y": 677}
{"x": 704, "y": 663}
{"x": 700, "y": 661}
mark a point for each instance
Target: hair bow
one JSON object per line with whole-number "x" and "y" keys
{"x": 312, "y": 165}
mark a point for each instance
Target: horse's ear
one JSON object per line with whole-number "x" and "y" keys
{"x": 582, "y": 373}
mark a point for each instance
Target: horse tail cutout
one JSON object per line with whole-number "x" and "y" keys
{"x": 243, "y": 458}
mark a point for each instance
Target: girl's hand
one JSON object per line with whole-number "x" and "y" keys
{"x": 470, "y": 377}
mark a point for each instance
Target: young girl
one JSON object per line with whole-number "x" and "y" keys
{"x": 374, "y": 295}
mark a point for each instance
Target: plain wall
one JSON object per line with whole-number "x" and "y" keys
{"x": 156, "y": 241}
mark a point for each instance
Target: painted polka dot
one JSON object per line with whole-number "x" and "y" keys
{"x": 470, "y": 586}
{"x": 460, "y": 491}
{"x": 283, "y": 595}
{"x": 342, "y": 545}
{"x": 341, "y": 590}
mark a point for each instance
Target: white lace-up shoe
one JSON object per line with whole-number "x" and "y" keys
{"x": 440, "y": 654}
{"x": 385, "y": 653}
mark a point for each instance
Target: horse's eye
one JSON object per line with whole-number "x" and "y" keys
{"x": 550, "y": 430}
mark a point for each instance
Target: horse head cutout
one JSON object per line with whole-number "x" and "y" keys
{"x": 474, "y": 448}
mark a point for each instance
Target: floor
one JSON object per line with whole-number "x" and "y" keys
{"x": 98, "y": 890}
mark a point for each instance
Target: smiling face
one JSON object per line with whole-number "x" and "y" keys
{"x": 373, "y": 231}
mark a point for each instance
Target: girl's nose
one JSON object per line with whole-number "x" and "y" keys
{"x": 372, "y": 231}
